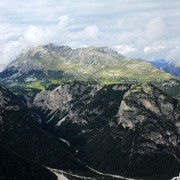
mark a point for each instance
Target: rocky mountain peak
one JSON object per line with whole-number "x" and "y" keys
{"x": 101, "y": 64}
{"x": 108, "y": 50}
{"x": 131, "y": 123}
{"x": 151, "y": 100}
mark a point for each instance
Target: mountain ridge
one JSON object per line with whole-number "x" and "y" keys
{"x": 44, "y": 66}
{"x": 71, "y": 110}
{"x": 123, "y": 126}
{"x": 40, "y": 58}
{"x": 169, "y": 67}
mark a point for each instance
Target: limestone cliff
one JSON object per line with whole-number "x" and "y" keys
{"x": 121, "y": 129}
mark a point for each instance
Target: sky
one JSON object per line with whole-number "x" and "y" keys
{"x": 145, "y": 29}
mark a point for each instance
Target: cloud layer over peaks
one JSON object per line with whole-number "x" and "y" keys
{"x": 145, "y": 29}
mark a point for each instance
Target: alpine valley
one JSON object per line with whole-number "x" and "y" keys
{"x": 87, "y": 113}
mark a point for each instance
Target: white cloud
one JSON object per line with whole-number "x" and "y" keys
{"x": 37, "y": 36}
{"x": 64, "y": 21}
{"x": 120, "y": 23}
{"x": 155, "y": 29}
{"x": 139, "y": 29}
{"x": 153, "y": 49}
{"x": 87, "y": 36}
{"x": 124, "y": 49}
{"x": 174, "y": 56}
{"x": 91, "y": 32}
{"x": 9, "y": 51}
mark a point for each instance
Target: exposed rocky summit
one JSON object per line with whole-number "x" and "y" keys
{"x": 144, "y": 138}
{"x": 43, "y": 66}
{"x": 79, "y": 108}
{"x": 150, "y": 99}
{"x": 51, "y": 56}
{"x": 28, "y": 151}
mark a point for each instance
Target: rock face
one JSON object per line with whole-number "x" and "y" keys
{"x": 51, "y": 56}
{"x": 171, "y": 87}
{"x": 130, "y": 130}
{"x": 26, "y": 149}
{"x": 149, "y": 98}
{"x": 78, "y": 108}
{"x": 20, "y": 134}
{"x": 144, "y": 139}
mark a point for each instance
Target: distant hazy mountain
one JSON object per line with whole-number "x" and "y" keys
{"x": 43, "y": 66}
{"x": 168, "y": 67}
{"x": 2, "y": 66}
{"x": 85, "y": 63}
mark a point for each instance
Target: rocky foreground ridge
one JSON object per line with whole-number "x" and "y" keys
{"x": 131, "y": 130}
{"x": 128, "y": 130}
{"x": 25, "y": 147}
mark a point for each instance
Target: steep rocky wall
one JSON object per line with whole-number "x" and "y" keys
{"x": 121, "y": 129}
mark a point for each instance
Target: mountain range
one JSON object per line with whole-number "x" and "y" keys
{"x": 167, "y": 66}
{"x": 87, "y": 113}
{"x": 43, "y": 66}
